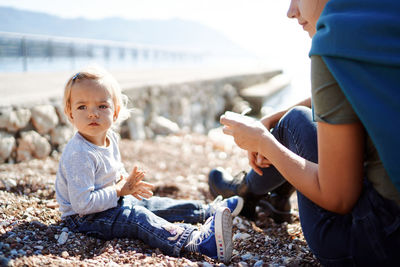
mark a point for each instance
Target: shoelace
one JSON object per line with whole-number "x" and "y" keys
{"x": 215, "y": 204}
{"x": 199, "y": 235}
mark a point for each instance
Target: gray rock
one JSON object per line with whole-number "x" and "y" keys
{"x": 14, "y": 252}
{"x": 206, "y": 264}
{"x": 31, "y": 144}
{"x": 62, "y": 239}
{"x": 61, "y": 135}
{"x": 14, "y": 120}
{"x": 44, "y": 118}
{"x": 136, "y": 125}
{"x": 61, "y": 115}
{"x": 4, "y": 116}
{"x": 241, "y": 236}
{"x": 5, "y": 261}
{"x": 163, "y": 126}
{"x": 9, "y": 182}
{"x": 7, "y": 145}
{"x": 247, "y": 256}
{"x": 258, "y": 263}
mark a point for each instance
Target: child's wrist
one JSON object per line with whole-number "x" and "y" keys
{"x": 117, "y": 190}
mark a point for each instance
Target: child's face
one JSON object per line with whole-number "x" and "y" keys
{"x": 307, "y": 13}
{"x": 92, "y": 111}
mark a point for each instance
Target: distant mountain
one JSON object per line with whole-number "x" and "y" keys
{"x": 170, "y": 33}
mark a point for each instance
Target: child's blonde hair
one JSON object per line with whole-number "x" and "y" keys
{"x": 103, "y": 78}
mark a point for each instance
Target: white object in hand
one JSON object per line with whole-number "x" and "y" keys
{"x": 239, "y": 117}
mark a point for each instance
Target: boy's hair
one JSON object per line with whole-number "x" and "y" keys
{"x": 104, "y": 78}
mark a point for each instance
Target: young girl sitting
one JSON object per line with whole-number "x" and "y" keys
{"x": 99, "y": 198}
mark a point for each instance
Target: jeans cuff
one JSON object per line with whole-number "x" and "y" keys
{"x": 182, "y": 239}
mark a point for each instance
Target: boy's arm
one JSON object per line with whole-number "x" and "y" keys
{"x": 80, "y": 173}
{"x": 133, "y": 185}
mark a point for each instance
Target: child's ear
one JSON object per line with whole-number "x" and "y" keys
{"x": 68, "y": 113}
{"x": 116, "y": 112}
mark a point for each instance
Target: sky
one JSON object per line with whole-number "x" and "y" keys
{"x": 259, "y": 26}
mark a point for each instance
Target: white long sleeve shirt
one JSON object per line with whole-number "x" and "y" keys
{"x": 85, "y": 175}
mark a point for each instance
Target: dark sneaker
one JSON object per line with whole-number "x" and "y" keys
{"x": 214, "y": 238}
{"x": 278, "y": 203}
{"x": 222, "y": 183}
{"x": 234, "y": 204}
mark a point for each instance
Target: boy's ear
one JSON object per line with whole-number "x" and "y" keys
{"x": 68, "y": 113}
{"x": 116, "y": 112}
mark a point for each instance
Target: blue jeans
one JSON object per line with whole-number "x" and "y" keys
{"x": 151, "y": 221}
{"x": 368, "y": 236}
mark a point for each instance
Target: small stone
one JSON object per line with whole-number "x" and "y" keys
{"x": 241, "y": 236}
{"x": 52, "y": 204}
{"x": 247, "y": 256}
{"x": 5, "y": 261}
{"x": 62, "y": 239}
{"x": 49, "y": 232}
{"x": 2, "y": 231}
{"x": 258, "y": 263}
{"x": 14, "y": 252}
{"x": 206, "y": 264}
{"x": 64, "y": 254}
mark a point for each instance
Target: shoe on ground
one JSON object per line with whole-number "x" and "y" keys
{"x": 276, "y": 202}
{"x": 214, "y": 238}
{"x": 234, "y": 204}
{"x": 223, "y": 183}
{"x": 279, "y": 208}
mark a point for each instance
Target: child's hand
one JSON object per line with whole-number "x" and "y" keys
{"x": 133, "y": 185}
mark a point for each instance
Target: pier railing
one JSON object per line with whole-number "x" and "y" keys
{"x": 26, "y": 51}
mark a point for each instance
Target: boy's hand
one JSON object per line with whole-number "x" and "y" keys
{"x": 133, "y": 185}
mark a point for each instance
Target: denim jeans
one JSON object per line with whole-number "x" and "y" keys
{"x": 368, "y": 236}
{"x": 151, "y": 221}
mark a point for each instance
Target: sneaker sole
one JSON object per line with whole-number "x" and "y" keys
{"x": 239, "y": 207}
{"x": 223, "y": 234}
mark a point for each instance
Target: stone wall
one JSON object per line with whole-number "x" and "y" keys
{"x": 36, "y": 131}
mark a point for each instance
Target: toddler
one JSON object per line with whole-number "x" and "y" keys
{"x": 99, "y": 198}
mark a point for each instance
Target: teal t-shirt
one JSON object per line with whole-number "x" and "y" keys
{"x": 331, "y": 106}
{"x": 359, "y": 41}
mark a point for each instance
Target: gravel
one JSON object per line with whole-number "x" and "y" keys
{"x": 32, "y": 234}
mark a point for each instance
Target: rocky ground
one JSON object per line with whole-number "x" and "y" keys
{"x": 32, "y": 234}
